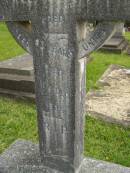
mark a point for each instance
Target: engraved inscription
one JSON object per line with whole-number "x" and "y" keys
{"x": 93, "y": 41}
{"x": 56, "y": 18}
{"x": 61, "y": 51}
{"x": 57, "y": 41}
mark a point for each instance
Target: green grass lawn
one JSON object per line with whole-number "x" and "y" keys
{"x": 100, "y": 63}
{"x": 8, "y": 47}
{"x": 127, "y": 36}
{"x": 102, "y": 140}
{"x": 17, "y": 120}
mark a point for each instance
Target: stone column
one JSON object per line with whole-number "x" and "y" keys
{"x": 60, "y": 90}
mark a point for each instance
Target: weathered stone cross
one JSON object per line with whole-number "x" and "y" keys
{"x": 53, "y": 31}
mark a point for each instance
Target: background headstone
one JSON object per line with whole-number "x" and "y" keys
{"x": 118, "y": 43}
{"x": 17, "y": 77}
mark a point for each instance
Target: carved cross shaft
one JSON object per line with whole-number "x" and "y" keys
{"x": 57, "y": 40}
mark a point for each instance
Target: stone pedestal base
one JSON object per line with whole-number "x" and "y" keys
{"x": 116, "y": 45}
{"x": 17, "y": 77}
{"x": 23, "y": 157}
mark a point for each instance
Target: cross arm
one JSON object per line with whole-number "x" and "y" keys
{"x": 107, "y": 10}
{"x": 15, "y": 10}
{"x": 108, "y": 13}
{"x": 102, "y": 33}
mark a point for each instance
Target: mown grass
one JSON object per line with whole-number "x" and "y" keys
{"x": 100, "y": 63}
{"x": 8, "y": 46}
{"x": 17, "y": 120}
{"x": 103, "y": 141}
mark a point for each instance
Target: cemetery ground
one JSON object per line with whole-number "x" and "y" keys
{"x": 103, "y": 141}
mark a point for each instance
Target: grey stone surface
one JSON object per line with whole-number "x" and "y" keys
{"x": 55, "y": 33}
{"x": 13, "y": 74}
{"x": 22, "y": 65}
{"x": 120, "y": 31}
{"x": 21, "y": 31}
{"x": 112, "y": 10}
{"x": 24, "y": 157}
{"x": 97, "y": 166}
{"x": 17, "y": 77}
{"x": 112, "y": 101}
{"x": 17, "y": 82}
{"x": 17, "y": 94}
{"x": 118, "y": 43}
{"x": 114, "y": 42}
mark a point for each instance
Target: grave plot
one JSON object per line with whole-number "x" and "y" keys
{"x": 17, "y": 77}
{"x": 112, "y": 101}
{"x": 118, "y": 43}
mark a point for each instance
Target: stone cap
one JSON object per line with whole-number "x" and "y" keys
{"x": 21, "y": 65}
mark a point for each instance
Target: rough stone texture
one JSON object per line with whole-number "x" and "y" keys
{"x": 120, "y": 30}
{"x": 60, "y": 75}
{"x": 17, "y": 77}
{"x": 22, "y": 65}
{"x": 57, "y": 39}
{"x": 96, "y": 166}
{"x": 24, "y": 157}
{"x": 17, "y": 94}
{"x": 111, "y": 11}
{"x": 17, "y": 82}
{"x": 118, "y": 43}
{"x": 21, "y": 31}
{"x": 114, "y": 42}
{"x": 112, "y": 101}
{"x": 16, "y": 70}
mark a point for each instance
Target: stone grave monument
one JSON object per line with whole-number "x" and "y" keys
{"x": 53, "y": 31}
{"x": 118, "y": 43}
{"x": 17, "y": 77}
